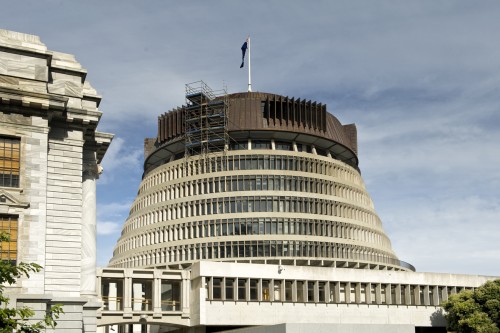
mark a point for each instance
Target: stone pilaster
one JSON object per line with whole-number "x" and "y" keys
{"x": 90, "y": 174}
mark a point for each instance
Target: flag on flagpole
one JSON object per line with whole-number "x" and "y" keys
{"x": 243, "y": 51}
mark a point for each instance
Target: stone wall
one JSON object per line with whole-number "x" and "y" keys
{"x": 47, "y": 103}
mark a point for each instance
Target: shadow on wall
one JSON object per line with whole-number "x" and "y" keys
{"x": 437, "y": 321}
{"x": 437, "y": 318}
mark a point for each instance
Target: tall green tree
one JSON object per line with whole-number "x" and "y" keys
{"x": 18, "y": 319}
{"x": 475, "y": 311}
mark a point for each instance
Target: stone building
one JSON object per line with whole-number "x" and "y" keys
{"x": 49, "y": 162}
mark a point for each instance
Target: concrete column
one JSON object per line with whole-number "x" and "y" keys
{"x": 435, "y": 296}
{"x": 112, "y": 297}
{"x": 112, "y": 306}
{"x": 138, "y": 296}
{"x": 398, "y": 294}
{"x": 272, "y": 294}
{"x": 185, "y": 292}
{"x": 337, "y": 292}
{"x": 157, "y": 294}
{"x": 426, "y": 295}
{"x": 445, "y": 293}
{"x": 407, "y": 294}
{"x": 368, "y": 293}
{"x": 378, "y": 293}
{"x": 348, "y": 293}
{"x": 283, "y": 291}
{"x": 127, "y": 294}
{"x": 91, "y": 171}
{"x": 328, "y": 296}
{"x": 416, "y": 293}
{"x": 357, "y": 297}
{"x": 388, "y": 294}
{"x": 247, "y": 289}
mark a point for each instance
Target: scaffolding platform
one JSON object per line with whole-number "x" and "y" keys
{"x": 205, "y": 120}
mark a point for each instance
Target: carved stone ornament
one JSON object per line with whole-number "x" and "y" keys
{"x": 92, "y": 170}
{"x": 10, "y": 200}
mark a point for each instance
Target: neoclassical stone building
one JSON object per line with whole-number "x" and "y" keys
{"x": 49, "y": 162}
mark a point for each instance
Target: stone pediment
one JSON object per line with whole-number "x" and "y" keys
{"x": 10, "y": 200}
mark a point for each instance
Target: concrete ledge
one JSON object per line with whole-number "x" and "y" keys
{"x": 328, "y": 328}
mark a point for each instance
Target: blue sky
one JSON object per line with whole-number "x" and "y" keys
{"x": 421, "y": 80}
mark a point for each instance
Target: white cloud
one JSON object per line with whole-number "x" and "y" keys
{"x": 446, "y": 235}
{"x": 113, "y": 209}
{"x": 108, "y": 228}
{"x": 119, "y": 155}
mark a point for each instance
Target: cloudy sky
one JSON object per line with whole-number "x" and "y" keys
{"x": 421, "y": 80}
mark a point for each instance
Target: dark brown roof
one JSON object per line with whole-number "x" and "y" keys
{"x": 257, "y": 111}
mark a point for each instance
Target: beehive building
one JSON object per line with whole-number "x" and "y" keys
{"x": 253, "y": 178}
{"x": 252, "y": 214}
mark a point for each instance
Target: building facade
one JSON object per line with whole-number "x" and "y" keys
{"x": 49, "y": 162}
{"x": 282, "y": 185}
{"x": 252, "y": 213}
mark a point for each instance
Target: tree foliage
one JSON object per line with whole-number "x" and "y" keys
{"x": 475, "y": 311}
{"x": 18, "y": 319}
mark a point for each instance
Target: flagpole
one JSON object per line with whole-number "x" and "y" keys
{"x": 249, "y": 68}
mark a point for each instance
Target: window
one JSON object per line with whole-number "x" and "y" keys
{"x": 254, "y": 289}
{"x": 283, "y": 145}
{"x": 242, "y": 289}
{"x": 217, "y": 288}
{"x": 170, "y": 295}
{"x": 310, "y": 291}
{"x": 8, "y": 250}
{"x": 257, "y": 144}
{"x": 303, "y": 147}
{"x": 288, "y": 290}
{"x": 239, "y": 145}
{"x": 9, "y": 161}
{"x": 142, "y": 295}
{"x": 112, "y": 294}
{"x": 265, "y": 290}
{"x": 300, "y": 291}
{"x": 229, "y": 289}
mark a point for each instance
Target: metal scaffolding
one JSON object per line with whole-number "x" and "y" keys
{"x": 205, "y": 120}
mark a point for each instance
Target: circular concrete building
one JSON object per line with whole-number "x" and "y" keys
{"x": 253, "y": 178}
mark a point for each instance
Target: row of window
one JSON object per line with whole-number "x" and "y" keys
{"x": 9, "y": 161}
{"x": 251, "y": 183}
{"x": 257, "y": 249}
{"x": 142, "y": 295}
{"x": 287, "y": 162}
{"x": 251, "y": 204}
{"x": 252, "y": 226}
{"x": 278, "y": 145}
{"x": 10, "y": 154}
{"x": 268, "y": 290}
